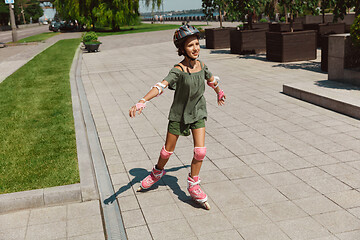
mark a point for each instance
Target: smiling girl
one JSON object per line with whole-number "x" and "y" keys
{"x": 188, "y": 110}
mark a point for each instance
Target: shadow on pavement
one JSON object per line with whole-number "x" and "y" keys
{"x": 166, "y": 180}
{"x": 336, "y": 85}
{"x": 220, "y": 51}
{"x": 310, "y": 66}
{"x": 260, "y": 56}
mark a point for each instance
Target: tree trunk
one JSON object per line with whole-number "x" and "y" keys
{"x": 220, "y": 16}
{"x": 285, "y": 10}
{"x": 22, "y": 12}
{"x": 250, "y": 20}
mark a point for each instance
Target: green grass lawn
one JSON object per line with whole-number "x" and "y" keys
{"x": 37, "y": 135}
{"x": 143, "y": 27}
{"x": 39, "y": 37}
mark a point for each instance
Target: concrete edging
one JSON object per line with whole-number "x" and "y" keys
{"x": 86, "y": 190}
{"x": 336, "y": 96}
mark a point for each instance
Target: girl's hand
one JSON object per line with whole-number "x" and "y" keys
{"x": 221, "y": 98}
{"x": 138, "y": 107}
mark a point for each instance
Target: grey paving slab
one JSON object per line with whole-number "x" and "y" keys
{"x": 69, "y": 221}
{"x": 268, "y": 154}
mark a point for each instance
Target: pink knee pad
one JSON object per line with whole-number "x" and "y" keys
{"x": 199, "y": 153}
{"x": 165, "y": 154}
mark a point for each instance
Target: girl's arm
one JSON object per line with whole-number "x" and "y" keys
{"x": 155, "y": 91}
{"x": 213, "y": 82}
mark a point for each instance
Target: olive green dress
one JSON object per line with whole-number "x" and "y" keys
{"x": 189, "y": 104}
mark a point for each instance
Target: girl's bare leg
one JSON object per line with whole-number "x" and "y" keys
{"x": 170, "y": 144}
{"x": 199, "y": 141}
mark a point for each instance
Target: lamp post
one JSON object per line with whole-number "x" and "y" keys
{"x": 12, "y": 19}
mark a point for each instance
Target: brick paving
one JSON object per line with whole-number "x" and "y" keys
{"x": 276, "y": 167}
{"x": 71, "y": 221}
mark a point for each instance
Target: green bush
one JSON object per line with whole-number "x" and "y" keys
{"x": 90, "y": 38}
{"x": 263, "y": 20}
{"x": 240, "y": 26}
{"x": 282, "y": 19}
{"x": 355, "y": 31}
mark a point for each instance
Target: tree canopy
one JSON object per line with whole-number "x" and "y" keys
{"x": 31, "y": 9}
{"x": 342, "y": 6}
{"x": 241, "y": 9}
{"x": 103, "y": 13}
{"x": 211, "y": 6}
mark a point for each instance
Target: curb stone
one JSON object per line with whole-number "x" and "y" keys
{"x": 86, "y": 190}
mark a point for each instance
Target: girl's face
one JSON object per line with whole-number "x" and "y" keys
{"x": 192, "y": 46}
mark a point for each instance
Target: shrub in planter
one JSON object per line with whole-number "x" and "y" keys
{"x": 252, "y": 39}
{"x": 90, "y": 40}
{"x": 355, "y": 31}
{"x": 263, "y": 20}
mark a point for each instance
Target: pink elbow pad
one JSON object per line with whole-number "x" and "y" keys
{"x": 212, "y": 84}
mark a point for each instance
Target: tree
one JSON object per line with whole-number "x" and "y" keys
{"x": 117, "y": 13}
{"x": 297, "y": 7}
{"x": 241, "y": 9}
{"x": 325, "y": 4}
{"x": 4, "y": 13}
{"x": 341, "y": 7}
{"x": 210, "y": 6}
{"x": 154, "y": 4}
{"x": 33, "y": 10}
{"x": 106, "y": 13}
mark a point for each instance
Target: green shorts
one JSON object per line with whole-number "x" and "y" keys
{"x": 179, "y": 128}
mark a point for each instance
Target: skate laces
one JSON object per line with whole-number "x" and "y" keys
{"x": 157, "y": 173}
{"x": 197, "y": 190}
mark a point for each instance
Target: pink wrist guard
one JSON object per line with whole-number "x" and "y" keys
{"x": 140, "y": 106}
{"x": 221, "y": 95}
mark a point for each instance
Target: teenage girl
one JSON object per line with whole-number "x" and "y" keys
{"x": 188, "y": 110}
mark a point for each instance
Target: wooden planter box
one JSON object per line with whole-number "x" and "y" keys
{"x": 217, "y": 38}
{"x": 291, "y": 46}
{"x": 248, "y": 41}
{"x": 325, "y": 29}
{"x": 285, "y": 27}
{"x": 257, "y": 25}
{"x": 324, "y": 53}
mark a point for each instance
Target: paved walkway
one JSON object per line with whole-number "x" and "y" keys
{"x": 72, "y": 221}
{"x": 276, "y": 167}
